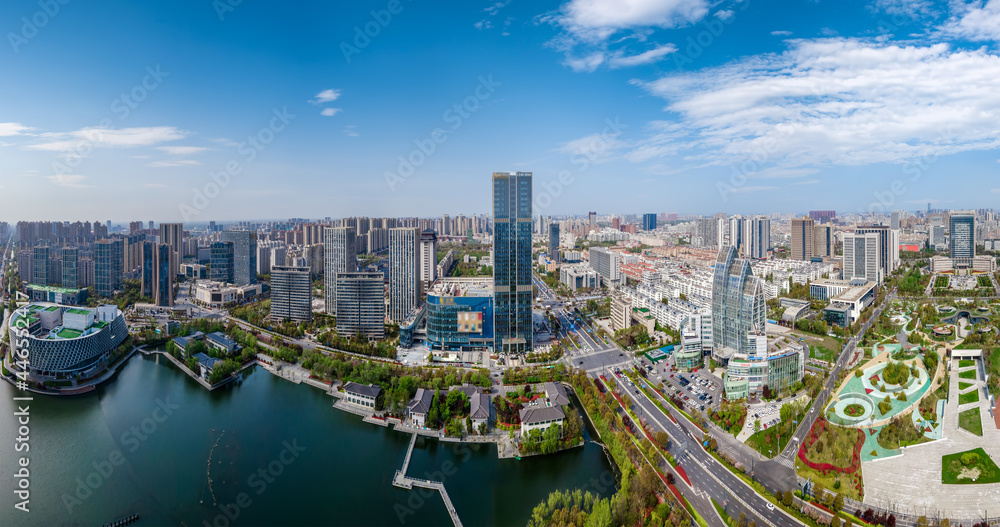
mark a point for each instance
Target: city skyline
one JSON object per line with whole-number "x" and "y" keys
{"x": 668, "y": 96}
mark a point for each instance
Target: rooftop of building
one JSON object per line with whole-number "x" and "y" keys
{"x": 467, "y": 286}
{"x": 54, "y": 289}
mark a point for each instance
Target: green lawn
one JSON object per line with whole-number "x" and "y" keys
{"x": 965, "y": 363}
{"x": 971, "y": 374}
{"x": 964, "y": 385}
{"x": 971, "y": 397}
{"x": 970, "y": 420}
{"x": 821, "y": 353}
{"x": 953, "y": 465}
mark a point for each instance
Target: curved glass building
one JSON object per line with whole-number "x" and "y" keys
{"x": 738, "y": 306}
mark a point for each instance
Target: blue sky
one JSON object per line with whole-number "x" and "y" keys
{"x": 137, "y": 110}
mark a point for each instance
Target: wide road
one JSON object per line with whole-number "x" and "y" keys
{"x": 707, "y": 475}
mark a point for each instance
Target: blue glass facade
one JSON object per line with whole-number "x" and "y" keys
{"x": 738, "y": 306}
{"x": 446, "y": 332}
{"x": 221, "y": 267}
{"x": 649, "y": 222}
{"x": 512, "y": 261}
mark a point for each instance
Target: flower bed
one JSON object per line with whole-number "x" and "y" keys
{"x": 817, "y": 431}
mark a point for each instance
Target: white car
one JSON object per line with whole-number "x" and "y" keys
{"x": 770, "y": 506}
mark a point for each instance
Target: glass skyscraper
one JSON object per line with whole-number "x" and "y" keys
{"x": 512, "y": 283}
{"x": 649, "y": 222}
{"x": 244, "y": 256}
{"x": 738, "y": 307}
{"x": 221, "y": 268}
{"x": 963, "y": 236}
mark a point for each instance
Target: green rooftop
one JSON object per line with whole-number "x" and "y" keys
{"x": 100, "y": 324}
{"x": 76, "y": 311}
{"x": 66, "y": 333}
{"x": 51, "y": 309}
{"x": 53, "y": 289}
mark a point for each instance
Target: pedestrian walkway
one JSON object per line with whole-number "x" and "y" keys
{"x": 401, "y": 480}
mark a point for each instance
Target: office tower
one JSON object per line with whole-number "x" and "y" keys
{"x": 512, "y": 282}
{"x": 803, "y": 244}
{"x": 822, "y": 216}
{"x": 313, "y": 255}
{"x": 163, "y": 275}
{"x": 936, "y": 234}
{"x": 862, "y": 257}
{"x": 592, "y": 219}
{"x": 738, "y": 306}
{"x": 963, "y": 237}
{"x": 428, "y": 257}
{"x": 70, "y": 260}
{"x": 823, "y": 241}
{"x": 736, "y": 232}
{"x": 360, "y": 302}
{"x": 221, "y": 266}
{"x": 172, "y": 234}
{"x": 147, "y": 268}
{"x": 554, "y": 254}
{"x": 40, "y": 261}
{"x": 888, "y": 257}
{"x": 445, "y": 225}
{"x": 649, "y": 222}
{"x": 108, "y": 260}
{"x": 341, "y": 257}
{"x": 244, "y": 256}
{"x": 894, "y": 219}
{"x": 756, "y": 237}
{"x": 607, "y": 264}
{"x": 291, "y": 294}
{"x": 404, "y": 272}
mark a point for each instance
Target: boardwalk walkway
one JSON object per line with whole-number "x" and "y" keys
{"x": 403, "y": 481}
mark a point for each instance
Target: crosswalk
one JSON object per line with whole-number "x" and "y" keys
{"x": 782, "y": 460}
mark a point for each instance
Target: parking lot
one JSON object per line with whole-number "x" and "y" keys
{"x": 699, "y": 390}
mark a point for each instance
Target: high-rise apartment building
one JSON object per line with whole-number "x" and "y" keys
{"x": 291, "y": 294}
{"x": 822, "y": 216}
{"x": 738, "y": 305}
{"x": 70, "y": 262}
{"x": 172, "y": 234}
{"x": 244, "y": 256}
{"x": 862, "y": 254}
{"x": 221, "y": 263}
{"x": 512, "y": 280}
{"x": 554, "y": 253}
{"x": 404, "y": 272}
{"x": 591, "y": 217}
{"x": 40, "y": 262}
{"x": 360, "y": 300}
{"x": 163, "y": 276}
{"x": 803, "y": 242}
{"x": 963, "y": 237}
{"x": 146, "y": 276}
{"x": 756, "y": 237}
{"x": 341, "y": 257}
{"x": 736, "y": 233}
{"x": 823, "y": 241}
{"x": 428, "y": 257}
{"x": 649, "y": 222}
{"x": 108, "y": 260}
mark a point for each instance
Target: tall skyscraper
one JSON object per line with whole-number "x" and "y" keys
{"x": 220, "y": 268}
{"x": 803, "y": 244}
{"x": 147, "y": 268}
{"x": 172, "y": 234}
{"x": 163, "y": 276}
{"x": 291, "y": 294}
{"x": 108, "y": 259}
{"x": 736, "y": 233}
{"x": 862, "y": 257}
{"x": 70, "y": 261}
{"x": 360, "y": 301}
{"x": 341, "y": 257}
{"x": 591, "y": 217}
{"x": 404, "y": 272}
{"x": 823, "y": 241}
{"x": 895, "y": 217}
{"x": 512, "y": 284}
{"x": 888, "y": 246}
{"x": 40, "y": 261}
{"x": 756, "y": 237}
{"x": 963, "y": 237}
{"x": 428, "y": 257}
{"x": 649, "y": 222}
{"x": 554, "y": 253}
{"x": 738, "y": 306}
{"x": 244, "y": 255}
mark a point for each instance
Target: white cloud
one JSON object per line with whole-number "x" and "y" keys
{"x": 94, "y": 137}
{"x": 326, "y": 96}
{"x": 596, "y": 147}
{"x": 588, "y": 63}
{"x": 350, "y": 131}
{"x": 177, "y": 163}
{"x": 995, "y": 190}
{"x": 9, "y": 129}
{"x": 912, "y": 9}
{"x": 784, "y": 173}
{"x": 329, "y": 112}
{"x": 623, "y": 61}
{"x": 595, "y": 20}
{"x": 832, "y": 101}
{"x": 976, "y": 21}
{"x": 725, "y": 14}
{"x": 495, "y": 7}
{"x": 224, "y": 141}
{"x": 68, "y": 180}
{"x": 182, "y": 150}
{"x": 781, "y": 33}
{"x": 483, "y": 24}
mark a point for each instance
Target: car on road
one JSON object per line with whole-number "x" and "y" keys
{"x": 770, "y": 506}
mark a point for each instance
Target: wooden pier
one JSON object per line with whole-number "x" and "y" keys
{"x": 403, "y": 481}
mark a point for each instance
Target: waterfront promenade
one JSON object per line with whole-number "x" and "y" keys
{"x": 401, "y": 480}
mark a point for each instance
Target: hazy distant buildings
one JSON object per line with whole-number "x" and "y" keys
{"x": 822, "y": 216}
{"x": 291, "y": 294}
{"x": 649, "y": 222}
{"x": 512, "y": 279}
{"x": 554, "y": 253}
{"x": 341, "y": 257}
